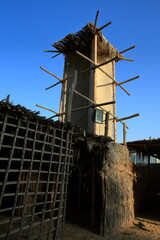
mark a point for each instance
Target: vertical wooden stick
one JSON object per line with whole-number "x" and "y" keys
{"x": 114, "y": 105}
{"x": 124, "y": 133}
{"x": 92, "y": 83}
{"x": 93, "y": 194}
{"x": 70, "y": 97}
{"x": 106, "y": 124}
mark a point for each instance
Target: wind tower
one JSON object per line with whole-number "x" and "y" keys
{"x": 88, "y": 96}
{"x": 84, "y": 53}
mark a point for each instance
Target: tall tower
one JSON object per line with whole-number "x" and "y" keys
{"x": 83, "y": 51}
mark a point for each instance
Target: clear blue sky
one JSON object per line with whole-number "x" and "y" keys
{"x": 28, "y": 28}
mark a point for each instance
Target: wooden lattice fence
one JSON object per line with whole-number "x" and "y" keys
{"x": 35, "y": 158}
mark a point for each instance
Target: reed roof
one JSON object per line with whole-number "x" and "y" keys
{"x": 81, "y": 41}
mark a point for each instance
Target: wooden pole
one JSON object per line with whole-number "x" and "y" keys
{"x": 127, "y": 49}
{"x": 51, "y": 51}
{"x": 47, "y": 109}
{"x": 93, "y": 192}
{"x": 106, "y": 25}
{"x": 93, "y": 106}
{"x": 56, "y": 55}
{"x": 51, "y": 73}
{"x": 113, "y": 79}
{"x": 70, "y": 98}
{"x": 125, "y": 118}
{"x": 63, "y": 80}
{"x": 95, "y": 22}
{"x": 131, "y": 79}
{"x": 106, "y": 124}
{"x": 126, "y": 59}
{"x": 124, "y": 133}
{"x": 114, "y": 105}
{"x": 92, "y": 79}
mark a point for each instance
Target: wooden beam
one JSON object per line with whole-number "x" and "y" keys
{"x": 63, "y": 80}
{"x": 104, "y": 63}
{"x": 80, "y": 94}
{"x": 93, "y": 106}
{"x": 125, "y": 118}
{"x": 126, "y": 59}
{"x": 131, "y": 79}
{"x": 56, "y": 55}
{"x": 95, "y": 22}
{"x": 85, "y": 57}
{"x": 51, "y": 73}
{"x": 51, "y": 51}
{"x": 47, "y": 109}
{"x": 106, "y": 25}
{"x": 127, "y": 49}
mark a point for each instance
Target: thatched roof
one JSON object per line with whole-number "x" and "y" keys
{"x": 149, "y": 147}
{"x": 81, "y": 41}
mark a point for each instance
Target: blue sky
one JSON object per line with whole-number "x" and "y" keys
{"x": 28, "y": 27}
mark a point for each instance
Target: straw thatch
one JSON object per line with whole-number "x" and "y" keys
{"x": 81, "y": 41}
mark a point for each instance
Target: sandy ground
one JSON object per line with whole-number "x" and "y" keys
{"x": 141, "y": 229}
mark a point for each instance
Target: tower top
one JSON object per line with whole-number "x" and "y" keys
{"x": 81, "y": 41}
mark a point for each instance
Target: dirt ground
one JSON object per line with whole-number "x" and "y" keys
{"x": 141, "y": 229}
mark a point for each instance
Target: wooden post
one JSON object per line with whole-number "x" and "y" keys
{"x": 148, "y": 160}
{"x": 93, "y": 193}
{"x": 91, "y": 125}
{"x": 70, "y": 97}
{"x": 124, "y": 133}
{"x": 114, "y": 105}
{"x": 106, "y": 124}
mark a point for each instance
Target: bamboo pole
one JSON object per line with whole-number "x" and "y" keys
{"x": 125, "y": 118}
